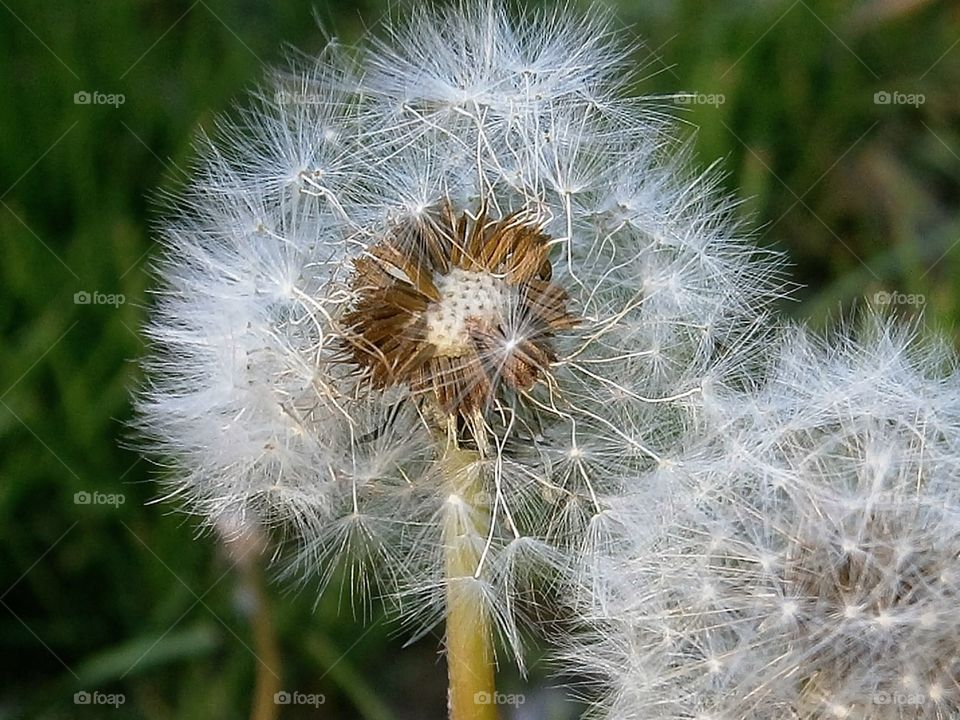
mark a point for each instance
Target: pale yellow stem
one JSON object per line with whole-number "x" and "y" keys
{"x": 470, "y": 653}
{"x": 266, "y": 650}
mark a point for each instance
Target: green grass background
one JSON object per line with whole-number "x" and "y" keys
{"x": 863, "y": 197}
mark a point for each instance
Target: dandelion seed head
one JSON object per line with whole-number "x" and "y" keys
{"x": 796, "y": 568}
{"x": 464, "y": 234}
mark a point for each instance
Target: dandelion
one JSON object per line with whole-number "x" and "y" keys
{"x": 803, "y": 560}
{"x": 428, "y": 306}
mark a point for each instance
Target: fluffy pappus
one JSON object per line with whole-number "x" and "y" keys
{"x": 803, "y": 559}
{"x": 466, "y": 235}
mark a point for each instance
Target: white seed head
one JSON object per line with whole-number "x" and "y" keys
{"x": 467, "y": 228}
{"x": 844, "y": 466}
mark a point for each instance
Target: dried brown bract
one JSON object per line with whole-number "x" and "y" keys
{"x": 457, "y": 309}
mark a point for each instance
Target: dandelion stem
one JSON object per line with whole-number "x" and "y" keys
{"x": 470, "y": 654}
{"x": 266, "y": 648}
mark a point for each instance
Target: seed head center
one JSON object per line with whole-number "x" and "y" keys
{"x": 460, "y": 309}
{"x": 467, "y": 298}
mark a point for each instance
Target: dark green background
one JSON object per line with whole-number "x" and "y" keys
{"x": 863, "y": 197}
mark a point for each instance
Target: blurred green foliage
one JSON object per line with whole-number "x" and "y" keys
{"x": 862, "y": 195}
{"x": 127, "y": 599}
